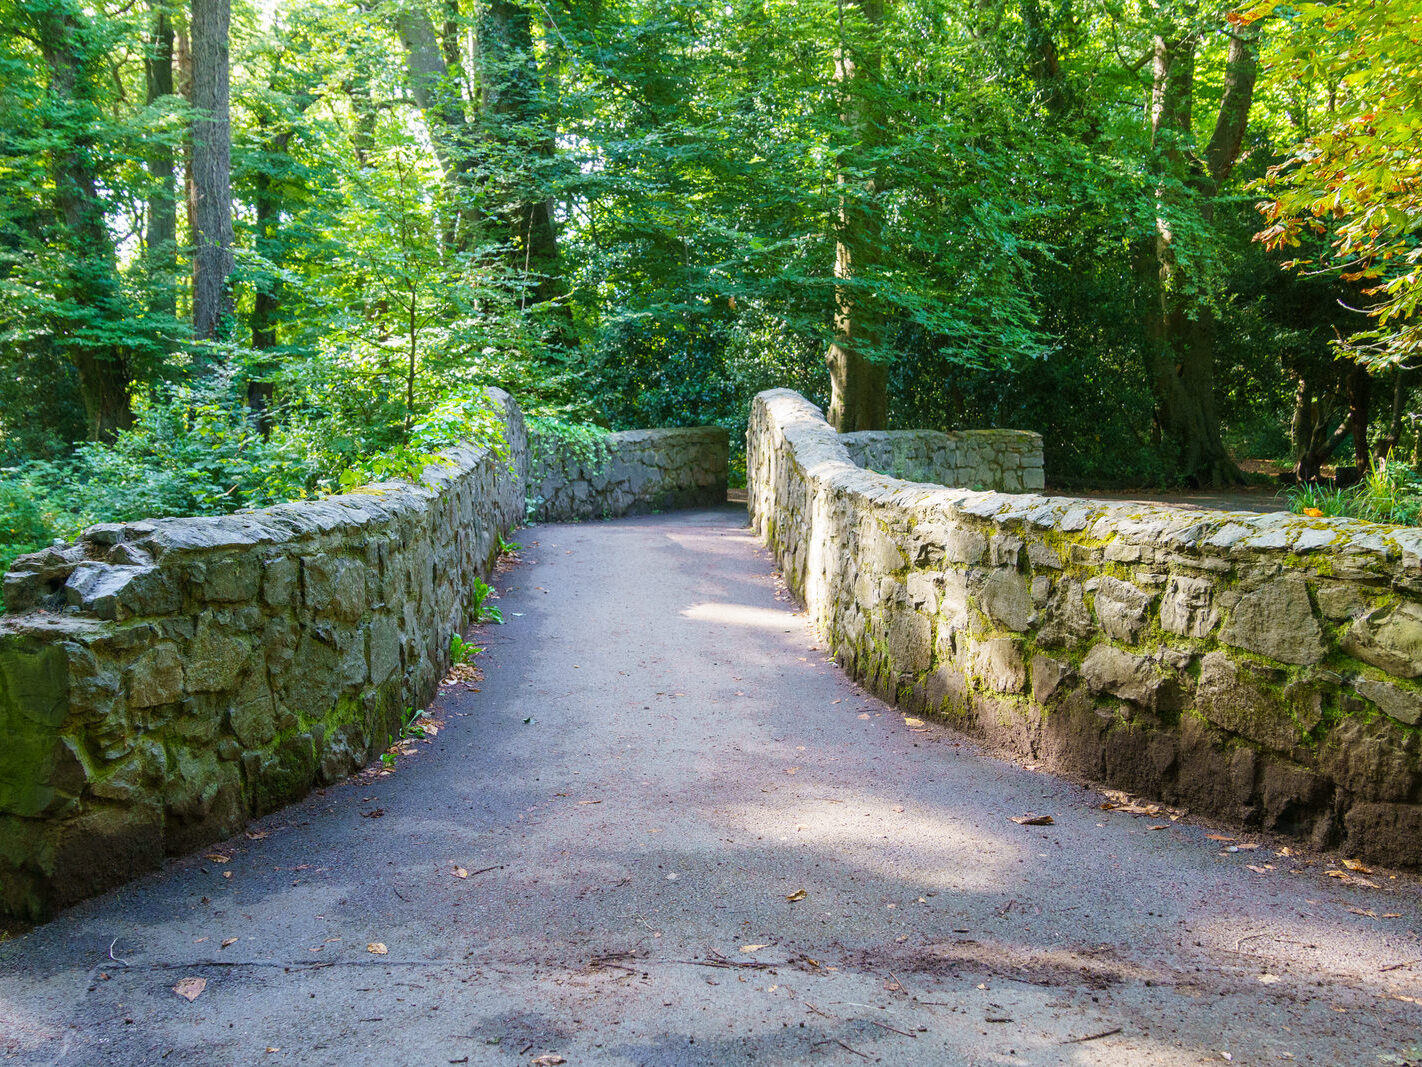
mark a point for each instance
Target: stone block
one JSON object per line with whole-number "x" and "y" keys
{"x": 1006, "y": 598}
{"x": 215, "y": 658}
{"x": 156, "y": 677}
{"x": 997, "y": 664}
{"x": 1048, "y": 677}
{"x": 1121, "y": 609}
{"x": 1385, "y": 833}
{"x": 335, "y": 585}
{"x": 1276, "y": 620}
{"x": 1187, "y": 607}
{"x": 1249, "y": 700}
{"x": 1389, "y": 638}
{"x": 1404, "y": 705}
{"x": 1123, "y": 674}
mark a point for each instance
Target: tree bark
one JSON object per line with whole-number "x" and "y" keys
{"x": 161, "y": 238}
{"x": 212, "y": 170}
{"x": 514, "y": 114}
{"x": 435, "y": 89}
{"x": 859, "y": 385}
{"x": 91, "y": 277}
{"x": 1179, "y": 329}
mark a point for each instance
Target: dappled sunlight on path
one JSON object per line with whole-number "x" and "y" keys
{"x": 665, "y": 829}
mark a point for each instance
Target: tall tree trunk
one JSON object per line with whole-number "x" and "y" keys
{"x": 435, "y": 89}
{"x": 91, "y": 280}
{"x": 859, "y": 386}
{"x": 1401, "y": 383}
{"x": 161, "y": 239}
{"x": 212, "y": 170}
{"x": 1180, "y": 329}
{"x": 514, "y": 113}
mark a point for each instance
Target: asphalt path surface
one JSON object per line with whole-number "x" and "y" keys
{"x": 688, "y": 839}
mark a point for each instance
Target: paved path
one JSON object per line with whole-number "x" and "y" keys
{"x": 660, "y": 758}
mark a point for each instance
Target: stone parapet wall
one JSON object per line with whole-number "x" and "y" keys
{"x": 165, "y": 680}
{"x": 1006, "y": 460}
{"x": 1263, "y": 668}
{"x": 631, "y": 472}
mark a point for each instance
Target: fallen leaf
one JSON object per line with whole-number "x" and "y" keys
{"x": 589, "y": 802}
{"x": 1366, "y": 913}
{"x": 373, "y": 813}
{"x": 200, "y": 940}
{"x": 217, "y": 857}
{"x": 1218, "y": 837}
{"x": 256, "y": 835}
{"x": 459, "y": 872}
{"x": 229, "y": 942}
{"x": 1247, "y": 846}
{"x": 1349, "y": 879}
{"x": 1032, "y": 820}
{"x": 1392, "y": 915}
{"x": 551, "y": 1059}
{"x": 909, "y": 720}
{"x": 1268, "y": 979}
{"x": 864, "y": 715}
{"x": 273, "y": 1048}
{"x": 1258, "y": 869}
{"x": 1357, "y": 865}
{"x": 752, "y": 948}
{"x": 799, "y": 894}
{"x": 375, "y": 948}
{"x": 227, "y": 874}
{"x": 190, "y": 988}
{"x": 791, "y": 770}
{"x": 1159, "y": 826}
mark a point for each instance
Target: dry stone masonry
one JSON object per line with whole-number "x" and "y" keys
{"x": 1264, "y": 668}
{"x": 631, "y": 472}
{"x": 1007, "y": 460}
{"x": 163, "y": 681}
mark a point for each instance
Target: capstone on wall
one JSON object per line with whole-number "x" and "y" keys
{"x": 631, "y": 472}
{"x": 164, "y": 680}
{"x": 1264, "y": 668}
{"x": 1006, "y": 460}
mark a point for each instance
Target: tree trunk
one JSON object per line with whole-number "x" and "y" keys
{"x": 859, "y": 385}
{"x": 434, "y": 87}
{"x": 91, "y": 277}
{"x": 212, "y": 170}
{"x": 1388, "y": 441}
{"x": 514, "y": 114}
{"x": 1179, "y": 328}
{"x": 161, "y": 239}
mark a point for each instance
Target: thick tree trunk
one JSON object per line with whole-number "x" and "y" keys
{"x": 859, "y": 385}
{"x": 1179, "y": 328}
{"x": 161, "y": 239}
{"x": 91, "y": 280}
{"x": 212, "y": 170}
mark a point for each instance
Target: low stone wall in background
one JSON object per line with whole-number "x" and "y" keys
{"x": 1263, "y": 668}
{"x": 163, "y": 681}
{"x": 631, "y": 472}
{"x": 1006, "y": 460}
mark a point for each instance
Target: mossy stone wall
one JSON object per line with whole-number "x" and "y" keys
{"x": 163, "y": 681}
{"x": 1264, "y": 668}
{"x": 631, "y": 472}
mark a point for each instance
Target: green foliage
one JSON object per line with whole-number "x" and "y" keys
{"x": 1390, "y": 492}
{"x": 481, "y": 610}
{"x": 462, "y": 651}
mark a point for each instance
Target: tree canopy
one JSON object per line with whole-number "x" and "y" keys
{"x": 1164, "y": 233}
